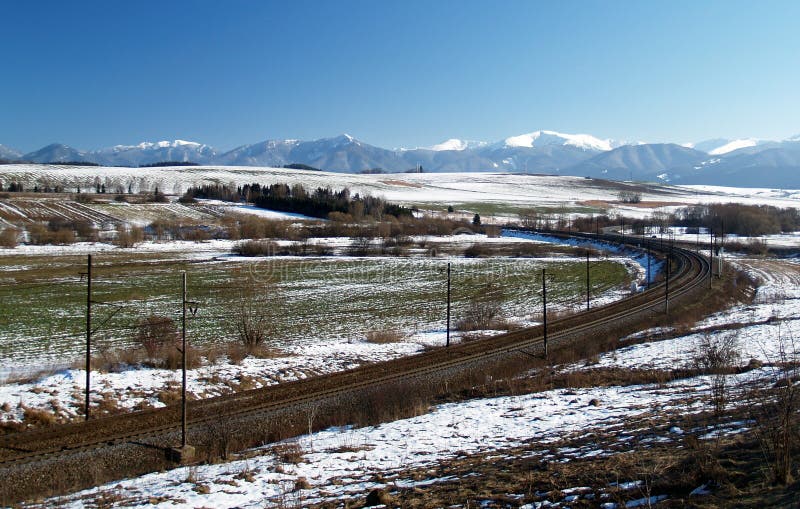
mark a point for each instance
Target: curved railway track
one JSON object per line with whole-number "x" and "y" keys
{"x": 689, "y": 275}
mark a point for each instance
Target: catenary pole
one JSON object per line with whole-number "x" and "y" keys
{"x": 588, "y": 282}
{"x": 88, "y": 335}
{"x": 544, "y": 309}
{"x": 448, "y": 304}
{"x": 183, "y": 361}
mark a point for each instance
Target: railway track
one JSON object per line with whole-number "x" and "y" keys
{"x": 690, "y": 274}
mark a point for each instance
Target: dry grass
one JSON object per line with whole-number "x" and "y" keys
{"x": 37, "y": 417}
{"x": 289, "y": 452}
{"x": 169, "y": 396}
{"x": 384, "y": 336}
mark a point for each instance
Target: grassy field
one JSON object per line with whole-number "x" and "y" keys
{"x": 309, "y": 299}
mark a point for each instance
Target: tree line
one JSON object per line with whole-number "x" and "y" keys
{"x": 320, "y": 202}
{"x": 738, "y": 219}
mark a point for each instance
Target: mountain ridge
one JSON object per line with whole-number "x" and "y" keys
{"x": 721, "y": 161}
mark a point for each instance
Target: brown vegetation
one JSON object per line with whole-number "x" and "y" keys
{"x": 8, "y": 238}
{"x": 384, "y": 336}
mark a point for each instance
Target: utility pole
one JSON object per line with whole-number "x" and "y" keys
{"x": 587, "y": 280}
{"x": 711, "y": 256}
{"x": 721, "y": 248}
{"x": 185, "y": 452}
{"x": 666, "y": 293}
{"x": 544, "y": 309}
{"x": 448, "y": 304}
{"x": 648, "y": 264}
{"x": 88, "y": 334}
{"x": 183, "y": 362}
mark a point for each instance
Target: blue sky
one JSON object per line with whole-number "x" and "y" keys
{"x": 395, "y": 73}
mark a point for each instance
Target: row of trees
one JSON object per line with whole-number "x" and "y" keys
{"x": 728, "y": 218}
{"x": 321, "y": 202}
{"x": 13, "y": 187}
{"x": 746, "y": 220}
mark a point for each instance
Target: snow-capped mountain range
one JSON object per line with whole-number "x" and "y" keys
{"x": 744, "y": 162}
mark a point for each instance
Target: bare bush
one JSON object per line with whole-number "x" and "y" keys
{"x": 360, "y": 246}
{"x": 483, "y": 312}
{"x": 40, "y": 234}
{"x": 257, "y": 248}
{"x": 289, "y": 452}
{"x": 255, "y": 315}
{"x": 128, "y": 236}
{"x": 384, "y": 336}
{"x": 718, "y": 355}
{"x": 775, "y": 409}
{"x": 155, "y": 333}
{"x": 8, "y": 238}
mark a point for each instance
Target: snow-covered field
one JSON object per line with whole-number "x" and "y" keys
{"x": 432, "y": 188}
{"x": 349, "y": 462}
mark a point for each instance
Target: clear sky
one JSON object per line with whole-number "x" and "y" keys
{"x": 395, "y": 73}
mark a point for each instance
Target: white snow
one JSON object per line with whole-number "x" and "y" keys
{"x": 266, "y": 213}
{"x": 734, "y": 145}
{"x": 543, "y": 138}
{"x": 451, "y": 144}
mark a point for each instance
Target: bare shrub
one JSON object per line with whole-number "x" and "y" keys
{"x": 154, "y": 333}
{"x": 716, "y": 352}
{"x": 718, "y": 355}
{"x": 360, "y": 246}
{"x": 63, "y": 236}
{"x": 479, "y": 316}
{"x": 302, "y": 484}
{"x": 128, "y": 236}
{"x": 775, "y": 409}
{"x": 169, "y": 396}
{"x": 384, "y": 336}
{"x": 484, "y": 311}
{"x": 255, "y": 315}
{"x": 8, "y": 238}
{"x": 236, "y": 353}
{"x": 289, "y": 452}
{"x": 85, "y": 230}
{"x": 256, "y": 248}
{"x": 53, "y": 233}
